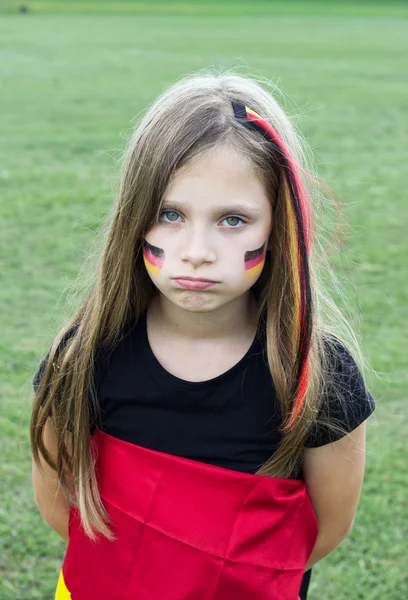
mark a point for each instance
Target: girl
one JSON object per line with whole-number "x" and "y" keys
{"x": 198, "y": 429}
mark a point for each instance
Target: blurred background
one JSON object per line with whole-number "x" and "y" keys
{"x": 74, "y": 76}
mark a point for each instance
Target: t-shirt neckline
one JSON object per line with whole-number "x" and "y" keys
{"x": 159, "y": 371}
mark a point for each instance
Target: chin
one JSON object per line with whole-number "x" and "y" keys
{"x": 193, "y": 301}
{"x": 197, "y": 305}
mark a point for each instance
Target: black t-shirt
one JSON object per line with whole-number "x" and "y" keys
{"x": 231, "y": 420}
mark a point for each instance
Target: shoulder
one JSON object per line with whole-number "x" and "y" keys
{"x": 346, "y": 401}
{"x": 339, "y": 356}
{"x": 101, "y": 354}
{"x": 41, "y": 368}
{"x": 343, "y": 377}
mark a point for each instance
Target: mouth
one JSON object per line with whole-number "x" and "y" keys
{"x": 181, "y": 278}
{"x": 191, "y": 283}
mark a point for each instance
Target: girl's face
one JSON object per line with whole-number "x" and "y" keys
{"x": 214, "y": 225}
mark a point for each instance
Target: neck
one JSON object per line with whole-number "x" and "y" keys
{"x": 233, "y": 320}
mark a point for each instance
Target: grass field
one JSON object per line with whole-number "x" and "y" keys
{"x": 71, "y": 86}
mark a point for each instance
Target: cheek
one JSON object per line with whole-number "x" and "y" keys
{"x": 254, "y": 260}
{"x": 153, "y": 257}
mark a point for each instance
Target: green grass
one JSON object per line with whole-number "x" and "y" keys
{"x": 348, "y": 8}
{"x": 71, "y": 85}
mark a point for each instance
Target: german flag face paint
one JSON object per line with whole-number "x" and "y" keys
{"x": 254, "y": 260}
{"x": 153, "y": 258}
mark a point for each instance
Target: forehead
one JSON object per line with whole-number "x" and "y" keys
{"x": 217, "y": 177}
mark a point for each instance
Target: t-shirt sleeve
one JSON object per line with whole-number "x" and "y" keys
{"x": 99, "y": 365}
{"x": 41, "y": 368}
{"x": 348, "y": 406}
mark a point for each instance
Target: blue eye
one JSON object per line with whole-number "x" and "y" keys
{"x": 236, "y": 218}
{"x": 169, "y": 212}
{"x": 173, "y": 213}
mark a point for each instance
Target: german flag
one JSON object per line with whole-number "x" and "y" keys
{"x": 153, "y": 257}
{"x": 254, "y": 260}
{"x": 188, "y": 530}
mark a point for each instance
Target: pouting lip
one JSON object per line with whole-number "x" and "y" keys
{"x": 196, "y": 279}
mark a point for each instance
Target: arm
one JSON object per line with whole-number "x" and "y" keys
{"x": 48, "y": 495}
{"x": 334, "y": 476}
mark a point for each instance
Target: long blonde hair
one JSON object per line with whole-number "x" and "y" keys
{"x": 190, "y": 117}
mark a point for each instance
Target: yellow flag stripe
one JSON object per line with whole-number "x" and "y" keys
{"x": 150, "y": 267}
{"x": 62, "y": 593}
{"x": 255, "y": 269}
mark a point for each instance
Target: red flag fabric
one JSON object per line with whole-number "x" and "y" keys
{"x": 187, "y": 530}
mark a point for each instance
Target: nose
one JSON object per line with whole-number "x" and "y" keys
{"x": 198, "y": 248}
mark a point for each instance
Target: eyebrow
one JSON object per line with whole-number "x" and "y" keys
{"x": 233, "y": 208}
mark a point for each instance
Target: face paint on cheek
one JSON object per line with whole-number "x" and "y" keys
{"x": 153, "y": 257}
{"x": 254, "y": 260}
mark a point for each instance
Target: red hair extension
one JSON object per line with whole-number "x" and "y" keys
{"x": 304, "y": 201}
{"x": 300, "y": 223}
{"x": 294, "y": 260}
